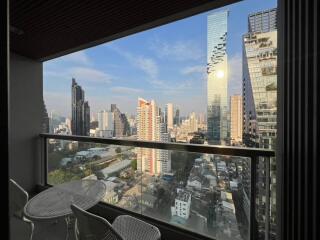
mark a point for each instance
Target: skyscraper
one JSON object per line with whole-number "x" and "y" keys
{"x": 260, "y": 109}
{"x": 121, "y": 124}
{"x": 264, "y": 21}
{"x": 169, "y": 116}
{"x": 45, "y": 119}
{"x": 177, "y": 116}
{"x": 105, "y": 123}
{"x": 236, "y": 118}
{"x": 80, "y": 111}
{"x": 217, "y": 70}
{"x": 151, "y": 127}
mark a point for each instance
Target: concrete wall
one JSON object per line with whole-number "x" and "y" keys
{"x": 25, "y": 116}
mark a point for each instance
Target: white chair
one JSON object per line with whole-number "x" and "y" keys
{"x": 20, "y": 227}
{"x": 23, "y": 228}
{"x": 92, "y": 227}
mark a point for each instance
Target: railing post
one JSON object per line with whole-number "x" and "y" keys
{"x": 44, "y": 160}
{"x": 267, "y": 211}
{"x": 253, "y": 177}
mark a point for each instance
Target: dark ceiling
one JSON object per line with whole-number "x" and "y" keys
{"x": 43, "y": 29}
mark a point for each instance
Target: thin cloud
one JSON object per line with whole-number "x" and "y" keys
{"x": 145, "y": 64}
{"x": 90, "y": 74}
{"x": 125, "y": 90}
{"x": 193, "y": 70}
{"x": 179, "y": 50}
{"x": 79, "y": 57}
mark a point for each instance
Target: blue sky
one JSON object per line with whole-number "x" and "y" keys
{"x": 167, "y": 64}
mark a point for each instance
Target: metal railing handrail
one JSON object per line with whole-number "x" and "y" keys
{"x": 199, "y": 148}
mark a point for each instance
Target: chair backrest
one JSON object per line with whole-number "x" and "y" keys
{"x": 18, "y": 198}
{"x": 92, "y": 227}
{"x": 137, "y": 228}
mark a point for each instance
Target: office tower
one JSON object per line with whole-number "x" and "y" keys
{"x": 236, "y": 118}
{"x": 105, "y": 123}
{"x": 151, "y": 127}
{"x": 260, "y": 109}
{"x": 163, "y": 159}
{"x": 193, "y": 121}
{"x": 45, "y": 119}
{"x": 264, "y": 21}
{"x": 86, "y": 118}
{"x": 217, "y": 70}
{"x": 113, "y": 107}
{"x": 80, "y": 111}
{"x": 169, "y": 116}
{"x": 121, "y": 125}
{"x": 177, "y": 117}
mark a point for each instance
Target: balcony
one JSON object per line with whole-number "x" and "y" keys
{"x": 37, "y": 31}
{"x": 200, "y": 190}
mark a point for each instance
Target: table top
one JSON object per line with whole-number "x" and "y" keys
{"x": 55, "y": 202}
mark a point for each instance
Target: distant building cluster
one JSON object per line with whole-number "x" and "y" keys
{"x": 111, "y": 123}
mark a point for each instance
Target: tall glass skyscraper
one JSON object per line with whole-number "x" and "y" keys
{"x": 217, "y": 70}
{"x": 260, "y": 110}
{"x": 80, "y": 111}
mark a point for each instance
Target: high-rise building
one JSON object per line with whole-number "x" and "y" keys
{"x": 260, "y": 109}
{"x": 217, "y": 70}
{"x": 105, "y": 123}
{"x": 45, "y": 119}
{"x": 169, "y": 117}
{"x": 177, "y": 117}
{"x": 121, "y": 125}
{"x": 86, "y": 118}
{"x": 151, "y": 127}
{"x": 193, "y": 121}
{"x": 80, "y": 111}
{"x": 236, "y": 118}
{"x": 264, "y": 21}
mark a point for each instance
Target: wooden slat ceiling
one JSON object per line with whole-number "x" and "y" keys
{"x": 43, "y": 29}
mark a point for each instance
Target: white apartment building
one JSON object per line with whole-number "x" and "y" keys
{"x": 182, "y": 204}
{"x": 169, "y": 115}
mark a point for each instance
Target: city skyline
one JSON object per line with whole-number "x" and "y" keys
{"x": 125, "y": 69}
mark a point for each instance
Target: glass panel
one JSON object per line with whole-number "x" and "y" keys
{"x": 205, "y": 193}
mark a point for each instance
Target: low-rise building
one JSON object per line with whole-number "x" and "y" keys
{"x": 111, "y": 196}
{"x": 182, "y": 204}
{"x": 147, "y": 200}
{"x": 115, "y": 169}
{"x": 194, "y": 182}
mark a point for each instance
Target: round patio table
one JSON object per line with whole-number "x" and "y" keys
{"x": 54, "y": 203}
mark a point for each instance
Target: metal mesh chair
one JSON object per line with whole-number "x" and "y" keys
{"x": 92, "y": 227}
{"x": 18, "y": 199}
{"x": 134, "y": 229}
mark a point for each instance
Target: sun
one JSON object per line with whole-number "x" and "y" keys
{"x": 220, "y": 74}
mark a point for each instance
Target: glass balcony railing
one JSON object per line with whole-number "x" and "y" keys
{"x": 205, "y": 189}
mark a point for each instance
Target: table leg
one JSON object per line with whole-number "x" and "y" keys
{"x": 71, "y": 220}
{"x": 50, "y": 230}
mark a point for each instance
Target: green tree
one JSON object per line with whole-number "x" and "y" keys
{"x": 134, "y": 164}
{"x": 118, "y": 150}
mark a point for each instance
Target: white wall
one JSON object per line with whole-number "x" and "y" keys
{"x": 25, "y": 116}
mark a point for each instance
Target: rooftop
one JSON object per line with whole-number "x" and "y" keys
{"x": 183, "y": 196}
